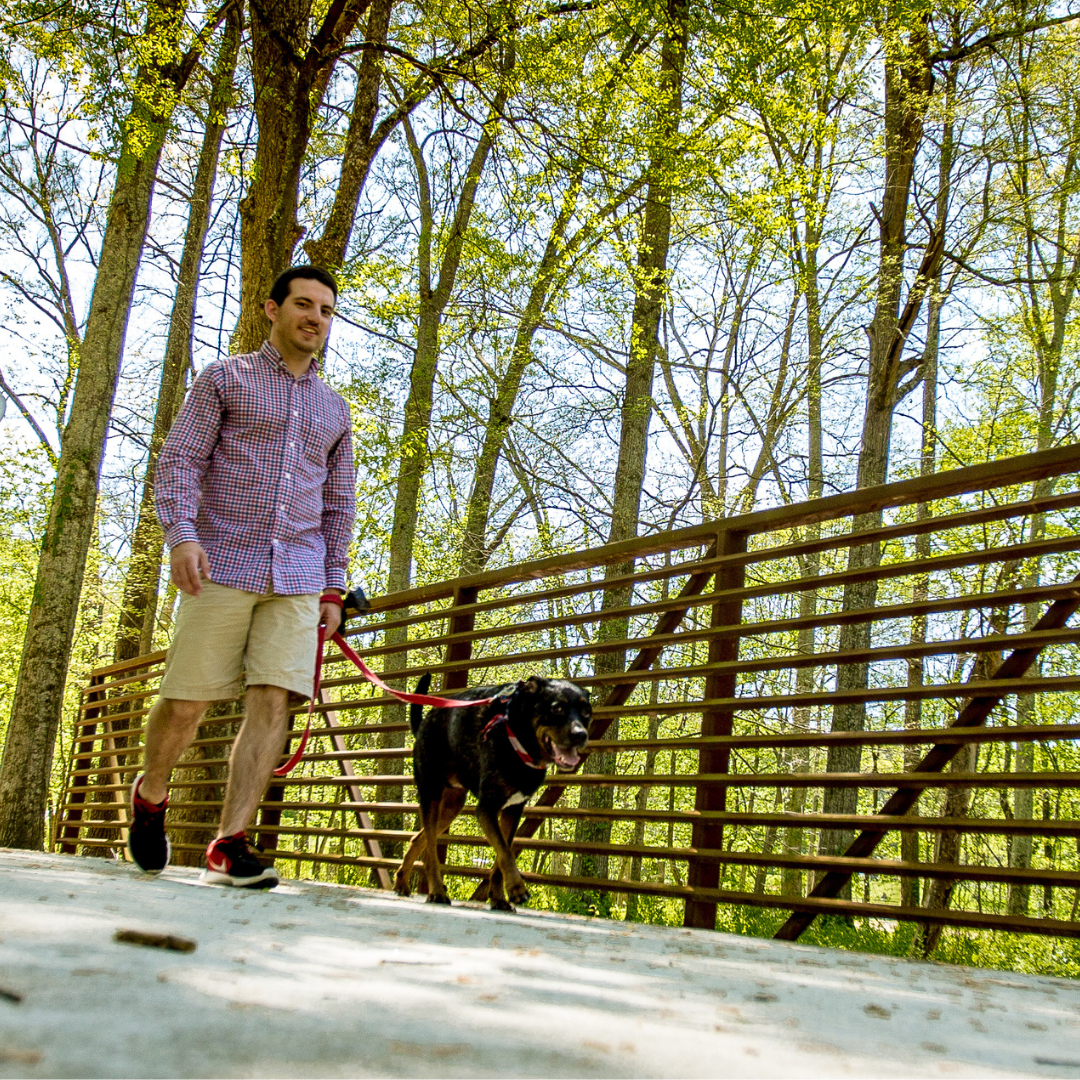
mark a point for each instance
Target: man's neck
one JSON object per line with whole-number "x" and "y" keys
{"x": 298, "y": 363}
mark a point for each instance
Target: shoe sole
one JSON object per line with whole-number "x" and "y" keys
{"x": 168, "y": 845}
{"x": 266, "y": 880}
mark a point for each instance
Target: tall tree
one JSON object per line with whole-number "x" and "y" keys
{"x": 909, "y": 81}
{"x": 564, "y": 245}
{"x": 910, "y": 58}
{"x": 1041, "y": 117}
{"x": 650, "y": 299}
{"x": 433, "y": 295}
{"x": 138, "y": 609}
{"x": 163, "y": 70}
{"x": 291, "y": 66}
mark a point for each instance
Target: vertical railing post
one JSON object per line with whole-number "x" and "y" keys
{"x": 704, "y": 872}
{"x": 69, "y": 820}
{"x": 462, "y": 623}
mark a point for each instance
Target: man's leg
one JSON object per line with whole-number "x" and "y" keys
{"x": 204, "y": 665}
{"x": 280, "y": 657}
{"x": 255, "y": 753}
{"x": 170, "y": 730}
{"x": 256, "y": 750}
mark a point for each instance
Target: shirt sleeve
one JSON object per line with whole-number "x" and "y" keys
{"x": 339, "y": 507}
{"x": 185, "y": 458}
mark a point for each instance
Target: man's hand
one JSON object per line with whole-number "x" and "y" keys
{"x": 330, "y": 617}
{"x": 189, "y": 566}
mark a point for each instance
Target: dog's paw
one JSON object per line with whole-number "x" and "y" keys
{"x": 401, "y": 885}
{"x": 438, "y": 898}
{"x": 519, "y": 893}
{"x": 501, "y": 905}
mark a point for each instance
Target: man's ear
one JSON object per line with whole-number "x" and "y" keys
{"x": 270, "y": 310}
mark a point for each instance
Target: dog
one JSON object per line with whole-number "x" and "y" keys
{"x": 500, "y": 753}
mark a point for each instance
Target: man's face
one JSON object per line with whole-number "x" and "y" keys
{"x": 302, "y": 320}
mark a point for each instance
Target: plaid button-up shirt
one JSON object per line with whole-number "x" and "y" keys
{"x": 258, "y": 468}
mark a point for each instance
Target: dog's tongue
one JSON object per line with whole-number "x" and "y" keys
{"x": 565, "y": 759}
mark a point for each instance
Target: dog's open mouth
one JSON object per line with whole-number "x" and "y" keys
{"x": 564, "y": 757}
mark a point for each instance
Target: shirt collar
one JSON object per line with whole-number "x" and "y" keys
{"x": 272, "y": 356}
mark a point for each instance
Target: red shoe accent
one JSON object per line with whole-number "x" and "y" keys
{"x": 146, "y": 804}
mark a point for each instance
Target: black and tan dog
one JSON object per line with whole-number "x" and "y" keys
{"x": 500, "y": 752}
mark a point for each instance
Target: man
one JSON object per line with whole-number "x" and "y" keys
{"x": 255, "y": 490}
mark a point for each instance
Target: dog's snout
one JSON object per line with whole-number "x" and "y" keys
{"x": 579, "y": 734}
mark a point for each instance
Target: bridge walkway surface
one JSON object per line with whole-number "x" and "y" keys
{"x": 321, "y": 980}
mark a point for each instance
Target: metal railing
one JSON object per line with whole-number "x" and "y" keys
{"x": 713, "y": 655}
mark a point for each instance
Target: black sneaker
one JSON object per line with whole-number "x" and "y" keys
{"x": 230, "y": 861}
{"x": 147, "y": 843}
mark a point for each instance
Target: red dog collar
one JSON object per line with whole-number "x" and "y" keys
{"x": 501, "y": 719}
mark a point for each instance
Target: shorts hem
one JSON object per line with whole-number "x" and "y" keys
{"x": 301, "y": 688}
{"x": 189, "y": 693}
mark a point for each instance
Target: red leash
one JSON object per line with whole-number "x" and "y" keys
{"x": 350, "y": 654}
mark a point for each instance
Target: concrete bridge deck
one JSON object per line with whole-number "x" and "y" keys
{"x": 316, "y": 980}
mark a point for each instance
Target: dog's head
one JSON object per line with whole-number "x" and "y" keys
{"x": 560, "y": 713}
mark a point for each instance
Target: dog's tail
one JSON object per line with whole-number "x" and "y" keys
{"x": 416, "y": 712}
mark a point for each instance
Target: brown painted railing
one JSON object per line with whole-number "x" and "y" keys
{"x": 710, "y": 733}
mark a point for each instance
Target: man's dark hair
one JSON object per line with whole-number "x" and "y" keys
{"x": 280, "y": 288}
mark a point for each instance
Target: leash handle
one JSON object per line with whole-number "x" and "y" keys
{"x": 284, "y": 770}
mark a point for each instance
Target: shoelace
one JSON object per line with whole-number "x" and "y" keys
{"x": 238, "y": 844}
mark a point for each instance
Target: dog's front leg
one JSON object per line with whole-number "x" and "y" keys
{"x": 512, "y": 884}
{"x": 404, "y": 871}
{"x": 437, "y": 817}
{"x": 508, "y": 823}
{"x": 436, "y": 890}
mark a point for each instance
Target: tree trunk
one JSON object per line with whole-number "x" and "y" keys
{"x": 791, "y": 881}
{"x": 908, "y": 85}
{"x": 38, "y": 702}
{"x": 331, "y": 247}
{"x": 909, "y": 841}
{"x": 948, "y": 850}
{"x": 138, "y": 610}
{"x": 1051, "y": 266}
{"x": 413, "y": 456}
{"x": 290, "y": 73}
{"x": 649, "y": 302}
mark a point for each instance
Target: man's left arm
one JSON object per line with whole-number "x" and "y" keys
{"x": 338, "y": 515}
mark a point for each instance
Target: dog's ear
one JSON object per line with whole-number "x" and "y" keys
{"x": 531, "y": 685}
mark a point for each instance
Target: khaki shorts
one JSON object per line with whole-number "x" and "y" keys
{"x": 224, "y": 632}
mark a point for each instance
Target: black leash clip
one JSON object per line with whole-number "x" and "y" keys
{"x": 356, "y": 603}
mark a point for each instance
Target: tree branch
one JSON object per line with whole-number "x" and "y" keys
{"x": 962, "y": 52}
{"x": 29, "y": 418}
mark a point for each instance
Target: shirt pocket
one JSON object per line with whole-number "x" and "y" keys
{"x": 255, "y": 412}
{"x": 321, "y": 429}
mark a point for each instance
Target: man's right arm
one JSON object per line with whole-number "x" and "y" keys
{"x": 178, "y": 481}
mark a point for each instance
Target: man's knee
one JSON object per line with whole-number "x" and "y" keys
{"x": 180, "y": 711}
{"x": 267, "y": 704}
